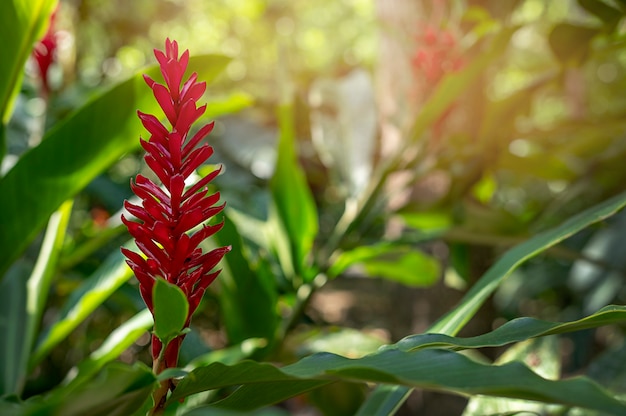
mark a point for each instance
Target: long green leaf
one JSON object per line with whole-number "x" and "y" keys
{"x": 73, "y": 153}
{"x": 542, "y": 356}
{"x": 248, "y": 293}
{"x": 396, "y": 262}
{"x": 516, "y": 330}
{"x": 114, "y": 345}
{"x": 292, "y": 197}
{"x": 13, "y": 319}
{"x": 93, "y": 292}
{"x": 454, "y": 321}
{"x": 22, "y": 22}
{"x": 119, "y": 389}
{"x": 433, "y": 369}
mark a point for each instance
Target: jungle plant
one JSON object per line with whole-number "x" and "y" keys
{"x": 275, "y": 264}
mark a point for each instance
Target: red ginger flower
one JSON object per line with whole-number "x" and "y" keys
{"x": 436, "y": 55}
{"x": 167, "y": 216}
{"x": 44, "y": 51}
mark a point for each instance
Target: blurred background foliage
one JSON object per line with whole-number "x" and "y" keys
{"x": 459, "y": 127}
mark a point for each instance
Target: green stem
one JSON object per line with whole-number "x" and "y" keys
{"x": 160, "y": 394}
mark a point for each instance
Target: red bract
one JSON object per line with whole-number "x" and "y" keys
{"x": 436, "y": 55}
{"x": 167, "y": 216}
{"x": 44, "y": 51}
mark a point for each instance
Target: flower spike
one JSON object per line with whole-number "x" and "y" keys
{"x": 167, "y": 216}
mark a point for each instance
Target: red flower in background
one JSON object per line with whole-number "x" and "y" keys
{"x": 436, "y": 55}
{"x": 44, "y": 51}
{"x": 167, "y": 216}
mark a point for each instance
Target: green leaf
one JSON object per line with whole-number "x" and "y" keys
{"x": 571, "y": 43}
{"x": 13, "y": 320}
{"x": 542, "y": 356}
{"x": 516, "y": 330}
{"x": 92, "y": 293}
{"x": 348, "y": 342}
{"x": 228, "y": 355}
{"x": 212, "y": 411}
{"x": 115, "y": 344}
{"x": 292, "y": 196}
{"x": 217, "y": 375}
{"x": 402, "y": 264}
{"x": 513, "y": 258}
{"x": 22, "y": 22}
{"x": 248, "y": 293}
{"x": 119, "y": 390}
{"x": 433, "y": 369}
{"x": 39, "y": 282}
{"x": 609, "y": 15}
{"x": 170, "y": 310}
{"x": 385, "y": 400}
{"x": 73, "y": 153}
{"x": 222, "y": 105}
{"x": 22, "y": 303}
{"x": 454, "y": 321}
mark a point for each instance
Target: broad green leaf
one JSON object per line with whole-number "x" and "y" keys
{"x": 454, "y": 321}
{"x": 433, "y": 369}
{"x": 292, "y": 197}
{"x": 542, "y": 356}
{"x": 119, "y": 390}
{"x": 170, "y": 310}
{"x": 516, "y": 330}
{"x": 248, "y": 293}
{"x": 111, "y": 348}
{"x": 570, "y": 42}
{"x": 92, "y": 293}
{"x": 13, "y": 321}
{"x": 217, "y": 375}
{"x": 22, "y": 22}
{"x": 74, "y": 152}
{"x": 402, "y": 264}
